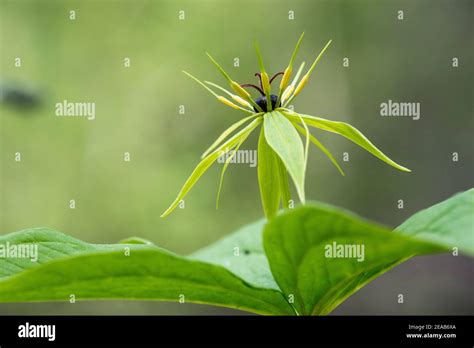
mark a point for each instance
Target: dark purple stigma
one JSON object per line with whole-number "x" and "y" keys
{"x": 262, "y": 102}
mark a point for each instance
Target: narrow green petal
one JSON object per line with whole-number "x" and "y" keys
{"x": 260, "y": 59}
{"x": 202, "y": 84}
{"x": 219, "y": 87}
{"x": 321, "y": 147}
{"x": 221, "y": 69}
{"x": 295, "y": 51}
{"x": 209, "y": 160}
{"x": 287, "y": 74}
{"x": 348, "y": 131}
{"x": 305, "y": 78}
{"x": 226, "y": 164}
{"x": 318, "y": 58}
{"x": 235, "y": 86}
{"x": 298, "y": 73}
{"x": 235, "y": 97}
{"x": 287, "y": 95}
{"x": 264, "y": 77}
{"x": 220, "y": 98}
{"x": 227, "y": 132}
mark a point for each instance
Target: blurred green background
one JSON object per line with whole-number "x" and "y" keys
{"x": 137, "y": 111}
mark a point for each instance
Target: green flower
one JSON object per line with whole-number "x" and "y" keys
{"x": 281, "y": 152}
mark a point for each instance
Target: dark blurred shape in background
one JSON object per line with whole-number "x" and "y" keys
{"x": 18, "y": 95}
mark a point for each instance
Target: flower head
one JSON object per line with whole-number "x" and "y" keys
{"x": 281, "y": 152}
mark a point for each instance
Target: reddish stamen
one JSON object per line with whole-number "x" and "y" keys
{"x": 260, "y": 79}
{"x": 276, "y": 75}
{"x": 253, "y": 86}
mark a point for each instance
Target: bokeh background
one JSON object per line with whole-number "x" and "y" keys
{"x": 137, "y": 111}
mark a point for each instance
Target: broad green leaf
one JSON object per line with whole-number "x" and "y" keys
{"x": 135, "y": 240}
{"x": 320, "y": 146}
{"x": 227, "y": 132}
{"x": 234, "y": 272}
{"x": 51, "y": 248}
{"x": 449, "y": 223}
{"x": 286, "y": 142}
{"x": 209, "y": 160}
{"x": 242, "y": 253}
{"x": 69, "y": 266}
{"x": 347, "y": 131}
{"x": 297, "y": 244}
{"x": 268, "y": 177}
